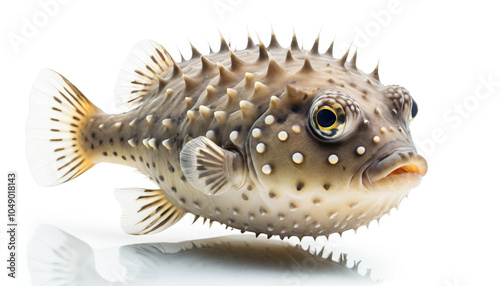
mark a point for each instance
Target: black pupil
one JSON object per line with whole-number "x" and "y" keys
{"x": 326, "y": 118}
{"x": 414, "y": 108}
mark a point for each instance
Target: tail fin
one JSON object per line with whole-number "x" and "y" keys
{"x": 58, "y": 112}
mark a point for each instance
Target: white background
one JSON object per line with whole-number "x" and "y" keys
{"x": 445, "y": 233}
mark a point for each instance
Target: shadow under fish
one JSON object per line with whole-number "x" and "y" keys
{"x": 58, "y": 258}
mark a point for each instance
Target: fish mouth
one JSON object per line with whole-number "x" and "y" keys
{"x": 402, "y": 169}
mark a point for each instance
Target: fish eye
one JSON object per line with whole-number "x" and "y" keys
{"x": 414, "y": 108}
{"x": 334, "y": 115}
{"x": 327, "y": 119}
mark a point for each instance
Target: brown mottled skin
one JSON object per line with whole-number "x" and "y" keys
{"x": 217, "y": 94}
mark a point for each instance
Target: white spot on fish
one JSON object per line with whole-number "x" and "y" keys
{"x": 383, "y": 130}
{"x": 131, "y": 142}
{"x": 333, "y": 159}
{"x": 233, "y": 136}
{"x": 297, "y": 158}
{"x": 296, "y": 129}
{"x": 256, "y": 133}
{"x": 282, "y": 135}
{"x": 261, "y": 147}
{"x": 118, "y": 125}
{"x": 101, "y": 126}
{"x": 360, "y": 150}
{"x": 269, "y": 120}
{"x": 376, "y": 139}
{"x": 266, "y": 169}
{"x": 210, "y": 135}
{"x": 149, "y": 119}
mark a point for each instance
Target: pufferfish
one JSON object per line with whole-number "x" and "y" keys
{"x": 266, "y": 139}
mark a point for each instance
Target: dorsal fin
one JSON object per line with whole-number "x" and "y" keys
{"x": 142, "y": 74}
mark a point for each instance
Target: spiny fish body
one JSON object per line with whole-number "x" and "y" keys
{"x": 271, "y": 140}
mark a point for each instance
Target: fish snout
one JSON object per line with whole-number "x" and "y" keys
{"x": 402, "y": 167}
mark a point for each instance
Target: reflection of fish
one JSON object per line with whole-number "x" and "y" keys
{"x": 265, "y": 139}
{"x": 57, "y": 258}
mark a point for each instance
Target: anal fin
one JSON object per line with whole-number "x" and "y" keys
{"x": 211, "y": 169}
{"x": 146, "y": 211}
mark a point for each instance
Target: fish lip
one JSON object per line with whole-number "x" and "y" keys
{"x": 400, "y": 166}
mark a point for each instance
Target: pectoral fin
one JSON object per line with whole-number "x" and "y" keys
{"x": 211, "y": 169}
{"x": 146, "y": 211}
